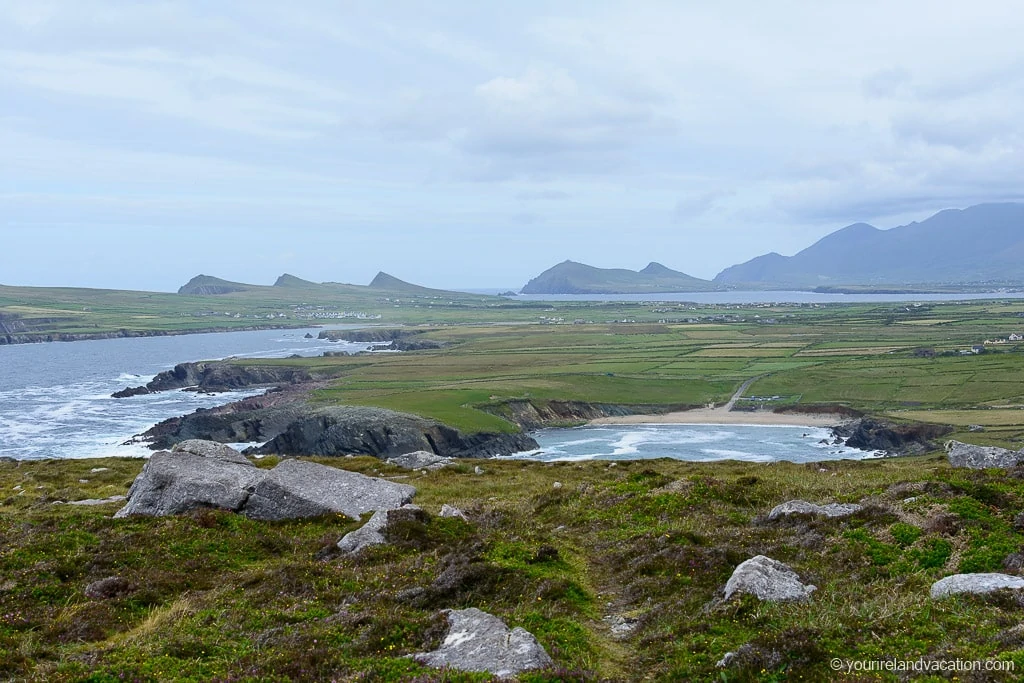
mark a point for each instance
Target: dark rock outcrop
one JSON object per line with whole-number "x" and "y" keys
{"x": 372, "y": 334}
{"x": 870, "y": 434}
{"x": 214, "y": 376}
{"x": 478, "y": 641}
{"x": 357, "y": 430}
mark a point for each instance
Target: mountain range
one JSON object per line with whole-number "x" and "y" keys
{"x": 207, "y": 285}
{"x": 979, "y": 245}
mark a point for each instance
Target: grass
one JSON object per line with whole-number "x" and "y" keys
{"x": 211, "y": 595}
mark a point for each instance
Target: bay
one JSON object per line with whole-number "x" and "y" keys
{"x": 692, "y": 442}
{"x": 55, "y": 397}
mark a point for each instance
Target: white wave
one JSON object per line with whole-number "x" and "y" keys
{"x": 729, "y": 454}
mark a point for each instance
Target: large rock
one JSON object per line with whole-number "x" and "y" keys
{"x": 304, "y": 489}
{"x": 210, "y": 449}
{"x": 171, "y": 483}
{"x": 802, "y": 507}
{"x": 420, "y": 460}
{"x": 975, "y": 583}
{"x": 767, "y": 579}
{"x": 979, "y": 457}
{"x": 478, "y": 641}
{"x": 370, "y": 533}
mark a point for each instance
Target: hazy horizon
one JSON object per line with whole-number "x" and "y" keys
{"x": 468, "y": 146}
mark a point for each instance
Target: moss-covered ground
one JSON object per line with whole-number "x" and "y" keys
{"x": 213, "y": 596}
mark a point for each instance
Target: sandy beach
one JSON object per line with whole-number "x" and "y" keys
{"x": 726, "y": 416}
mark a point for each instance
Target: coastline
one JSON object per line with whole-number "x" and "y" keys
{"x": 727, "y": 417}
{"x": 24, "y": 338}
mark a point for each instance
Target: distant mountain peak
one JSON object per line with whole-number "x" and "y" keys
{"x": 288, "y": 280}
{"x": 570, "y": 277}
{"x": 207, "y": 285}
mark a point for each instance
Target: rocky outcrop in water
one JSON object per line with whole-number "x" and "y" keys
{"x": 216, "y": 376}
{"x": 870, "y": 434}
{"x": 979, "y": 457}
{"x": 287, "y": 424}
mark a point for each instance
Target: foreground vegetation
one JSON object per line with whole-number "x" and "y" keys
{"x": 214, "y": 596}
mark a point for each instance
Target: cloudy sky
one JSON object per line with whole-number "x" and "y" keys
{"x": 467, "y": 144}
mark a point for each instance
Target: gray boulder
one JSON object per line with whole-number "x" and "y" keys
{"x": 304, "y": 489}
{"x": 420, "y": 460}
{"x": 478, "y": 641}
{"x": 172, "y": 483}
{"x": 975, "y": 583}
{"x": 979, "y": 457}
{"x": 767, "y": 579}
{"x": 369, "y": 533}
{"x": 802, "y": 507}
{"x": 210, "y": 449}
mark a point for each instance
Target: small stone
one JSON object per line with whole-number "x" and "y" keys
{"x": 975, "y": 583}
{"x": 420, "y": 460}
{"x": 452, "y": 511}
{"x": 557, "y": 485}
{"x": 802, "y": 507}
{"x": 478, "y": 641}
{"x": 94, "y": 470}
{"x": 110, "y": 587}
{"x": 369, "y": 534}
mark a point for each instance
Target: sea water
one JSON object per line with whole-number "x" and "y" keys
{"x": 55, "y": 397}
{"x": 693, "y": 442}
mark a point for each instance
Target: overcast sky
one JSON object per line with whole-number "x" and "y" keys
{"x": 475, "y": 144}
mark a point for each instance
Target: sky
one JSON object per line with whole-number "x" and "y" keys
{"x": 466, "y": 144}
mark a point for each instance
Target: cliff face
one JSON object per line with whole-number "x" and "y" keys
{"x": 537, "y": 414}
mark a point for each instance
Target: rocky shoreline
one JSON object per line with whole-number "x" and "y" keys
{"x": 32, "y": 338}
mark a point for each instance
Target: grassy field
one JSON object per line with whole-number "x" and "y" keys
{"x": 214, "y": 596}
{"x": 855, "y": 356}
